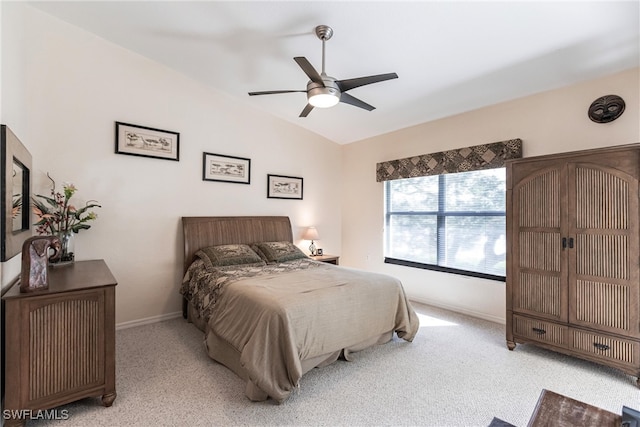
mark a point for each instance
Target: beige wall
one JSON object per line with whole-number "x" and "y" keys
{"x": 11, "y": 91}
{"x": 63, "y": 90}
{"x": 549, "y": 122}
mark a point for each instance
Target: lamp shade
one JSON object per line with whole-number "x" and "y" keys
{"x": 310, "y": 233}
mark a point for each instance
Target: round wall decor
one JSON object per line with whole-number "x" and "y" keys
{"x": 606, "y": 109}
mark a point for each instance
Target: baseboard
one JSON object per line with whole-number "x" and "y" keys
{"x": 462, "y": 310}
{"x": 457, "y": 309}
{"x": 148, "y": 320}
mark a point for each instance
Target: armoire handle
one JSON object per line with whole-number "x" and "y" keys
{"x": 570, "y": 242}
{"x": 564, "y": 243}
{"x": 601, "y": 346}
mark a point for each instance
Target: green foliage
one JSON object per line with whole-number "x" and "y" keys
{"x": 56, "y": 214}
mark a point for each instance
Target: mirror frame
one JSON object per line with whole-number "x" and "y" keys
{"x": 12, "y": 149}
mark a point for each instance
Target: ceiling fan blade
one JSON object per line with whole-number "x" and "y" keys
{"x": 273, "y": 92}
{"x": 349, "y": 84}
{"x": 306, "y": 110}
{"x": 351, "y": 100}
{"x": 309, "y": 70}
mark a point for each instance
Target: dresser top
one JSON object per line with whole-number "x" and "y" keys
{"x": 76, "y": 276}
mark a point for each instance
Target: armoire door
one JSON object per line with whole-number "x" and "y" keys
{"x": 603, "y": 257}
{"x": 539, "y": 263}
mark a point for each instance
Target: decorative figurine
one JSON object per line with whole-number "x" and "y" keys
{"x": 35, "y": 261}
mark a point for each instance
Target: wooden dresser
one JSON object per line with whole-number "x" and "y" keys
{"x": 60, "y": 343}
{"x": 573, "y": 282}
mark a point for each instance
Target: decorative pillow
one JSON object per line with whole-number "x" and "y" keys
{"x": 261, "y": 254}
{"x": 278, "y": 251}
{"x": 219, "y": 256}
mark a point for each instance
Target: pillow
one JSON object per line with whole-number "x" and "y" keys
{"x": 222, "y": 255}
{"x": 261, "y": 254}
{"x": 278, "y": 251}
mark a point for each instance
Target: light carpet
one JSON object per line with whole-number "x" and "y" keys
{"x": 457, "y": 372}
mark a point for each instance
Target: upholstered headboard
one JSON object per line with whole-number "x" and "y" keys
{"x": 202, "y": 231}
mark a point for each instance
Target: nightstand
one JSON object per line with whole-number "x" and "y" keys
{"x": 60, "y": 342}
{"x": 329, "y": 259}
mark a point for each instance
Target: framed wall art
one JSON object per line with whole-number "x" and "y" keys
{"x": 143, "y": 141}
{"x": 219, "y": 167}
{"x": 15, "y": 182}
{"x": 284, "y": 187}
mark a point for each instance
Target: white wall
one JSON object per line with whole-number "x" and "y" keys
{"x": 63, "y": 89}
{"x": 550, "y": 122}
{"x": 69, "y": 87}
{"x": 12, "y": 85}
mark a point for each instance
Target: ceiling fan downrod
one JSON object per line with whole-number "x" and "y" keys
{"x": 324, "y": 33}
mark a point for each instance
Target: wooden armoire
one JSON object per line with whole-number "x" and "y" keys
{"x": 573, "y": 282}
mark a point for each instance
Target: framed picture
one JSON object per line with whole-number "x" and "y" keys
{"x": 142, "y": 141}
{"x": 284, "y": 187}
{"x": 218, "y": 167}
{"x": 15, "y": 183}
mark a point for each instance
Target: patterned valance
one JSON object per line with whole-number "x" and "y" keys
{"x": 484, "y": 156}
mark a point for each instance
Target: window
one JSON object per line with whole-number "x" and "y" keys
{"x": 452, "y": 222}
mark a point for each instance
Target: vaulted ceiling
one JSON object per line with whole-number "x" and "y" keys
{"x": 450, "y": 56}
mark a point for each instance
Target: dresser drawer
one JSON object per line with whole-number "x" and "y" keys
{"x": 541, "y": 331}
{"x": 605, "y": 347}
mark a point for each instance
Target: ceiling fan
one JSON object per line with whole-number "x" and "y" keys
{"x": 324, "y": 91}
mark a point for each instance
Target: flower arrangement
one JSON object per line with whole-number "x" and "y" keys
{"x": 57, "y": 215}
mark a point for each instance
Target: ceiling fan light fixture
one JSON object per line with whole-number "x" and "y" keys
{"x": 324, "y": 100}
{"x": 323, "y": 96}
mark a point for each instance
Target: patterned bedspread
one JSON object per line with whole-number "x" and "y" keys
{"x": 202, "y": 287}
{"x": 277, "y": 316}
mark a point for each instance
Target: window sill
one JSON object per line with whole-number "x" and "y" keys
{"x": 432, "y": 267}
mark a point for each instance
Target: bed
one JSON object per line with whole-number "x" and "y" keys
{"x": 273, "y": 318}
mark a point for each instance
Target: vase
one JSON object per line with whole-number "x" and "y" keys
{"x": 66, "y": 246}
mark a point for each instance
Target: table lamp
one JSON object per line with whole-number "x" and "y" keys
{"x": 311, "y": 233}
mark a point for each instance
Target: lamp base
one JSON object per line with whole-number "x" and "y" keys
{"x": 312, "y": 248}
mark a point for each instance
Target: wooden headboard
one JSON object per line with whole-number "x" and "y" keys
{"x": 202, "y": 231}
